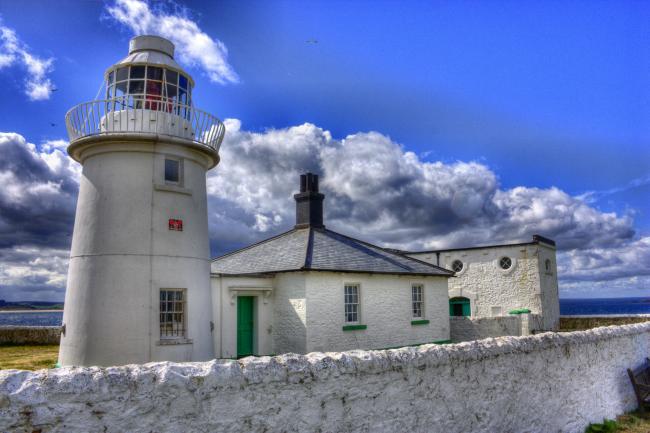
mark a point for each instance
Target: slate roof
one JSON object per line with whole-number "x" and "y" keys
{"x": 319, "y": 249}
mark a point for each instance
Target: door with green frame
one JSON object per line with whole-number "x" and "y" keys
{"x": 245, "y": 325}
{"x": 459, "y": 306}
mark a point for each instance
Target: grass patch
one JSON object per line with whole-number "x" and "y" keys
{"x": 634, "y": 422}
{"x": 28, "y": 357}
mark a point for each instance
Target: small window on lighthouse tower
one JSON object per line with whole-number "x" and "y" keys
{"x": 172, "y": 170}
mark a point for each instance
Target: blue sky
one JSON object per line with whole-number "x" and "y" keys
{"x": 544, "y": 94}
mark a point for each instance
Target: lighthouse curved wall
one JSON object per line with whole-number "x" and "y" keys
{"x": 123, "y": 252}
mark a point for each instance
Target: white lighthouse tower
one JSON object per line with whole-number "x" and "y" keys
{"x": 139, "y": 276}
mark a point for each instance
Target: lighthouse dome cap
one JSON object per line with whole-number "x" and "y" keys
{"x": 151, "y": 50}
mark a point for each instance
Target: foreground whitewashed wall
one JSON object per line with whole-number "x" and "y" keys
{"x": 542, "y": 383}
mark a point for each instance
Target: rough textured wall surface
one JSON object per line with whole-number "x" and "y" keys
{"x": 385, "y": 308}
{"x": 542, "y": 383}
{"x": 493, "y": 291}
{"x": 468, "y": 329}
{"x": 30, "y": 334}
{"x": 549, "y": 287}
{"x": 289, "y": 329}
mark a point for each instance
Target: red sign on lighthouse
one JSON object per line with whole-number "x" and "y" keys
{"x": 176, "y": 225}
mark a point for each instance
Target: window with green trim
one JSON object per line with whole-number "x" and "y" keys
{"x": 417, "y": 301}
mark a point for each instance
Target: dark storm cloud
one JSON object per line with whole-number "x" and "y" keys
{"x": 38, "y": 194}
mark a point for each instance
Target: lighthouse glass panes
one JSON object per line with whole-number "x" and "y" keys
{"x": 351, "y": 299}
{"x": 417, "y": 301}
{"x": 149, "y": 87}
{"x": 172, "y": 313}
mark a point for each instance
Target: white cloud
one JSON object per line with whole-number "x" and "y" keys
{"x": 378, "y": 191}
{"x": 38, "y": 86}
{"x": 375, "y": 190}
{"x": 607, "y": 263}
{"x": 193, "y": 46}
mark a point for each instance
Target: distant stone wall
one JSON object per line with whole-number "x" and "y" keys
{"x": 30, "y": 335}
{"x": 471, "y": 328}
{"x": 580, "y": 323}
{"x": 551, "y": 382}
{"x": 468, "y": 329}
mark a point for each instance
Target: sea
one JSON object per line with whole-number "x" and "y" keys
{"x": 31, "y": 318}
{"x": 568, "y": 307}
{"x": 600, "y": 306}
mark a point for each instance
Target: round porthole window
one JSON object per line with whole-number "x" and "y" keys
{"x": 505, "y": 263}
{"x": 457, "y": 266}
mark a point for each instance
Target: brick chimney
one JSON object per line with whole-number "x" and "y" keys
{"x": 309, "y": 203}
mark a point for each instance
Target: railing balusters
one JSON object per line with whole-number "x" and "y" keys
{"x": 86, "y": 119}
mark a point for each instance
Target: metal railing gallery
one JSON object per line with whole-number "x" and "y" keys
{"x": 142, "y": 114}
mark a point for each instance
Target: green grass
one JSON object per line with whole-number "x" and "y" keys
{"x": 634, "y": 422}
{"x": 28, "y": 357}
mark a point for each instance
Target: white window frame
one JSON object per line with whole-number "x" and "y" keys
{"x": 419, "y": 286}
{"x": 177, "y": 307}
{"x": 180, "y": 170}
{"x": 345, "y": 303}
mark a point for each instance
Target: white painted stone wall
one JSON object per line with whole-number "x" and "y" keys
{"x": 290, "y": 313}
{"x": 549, "y": 287}
{"x": 493, "y": 291}
{"x": 542, "y": 383}
{"x": 385, "y": 308}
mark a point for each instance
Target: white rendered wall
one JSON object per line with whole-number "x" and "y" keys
{"x": 385, "y": 304}
{"x": 290, "y": 313}
{"x": 225, "y": 290}
{"x": 549, "y": 287}
{"x": 123, "y": 253}
{"x": 493, "y": 291}
{"x": 553, "y": 382}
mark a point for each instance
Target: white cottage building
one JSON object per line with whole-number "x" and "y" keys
{"x": 141, "y": 286}
{"x": 312, "y": 289}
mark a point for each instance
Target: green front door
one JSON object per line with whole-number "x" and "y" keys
{"x": 245, "y": 325}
